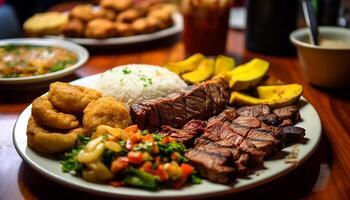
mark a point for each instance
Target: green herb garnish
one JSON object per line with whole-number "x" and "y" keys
{"x": 69, "y": 159}
{"x": 126, "y": 71}
{"x": 166, "y": 149}
{"x": 195, "y": 178}
{"x": 12, "y": 75}
{"x": 60, "y": 65}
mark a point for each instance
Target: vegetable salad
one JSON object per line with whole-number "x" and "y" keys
{"x": 130, "y": 157}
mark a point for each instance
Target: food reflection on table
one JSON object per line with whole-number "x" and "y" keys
{"x": 109, "y": 19}
{"x": 142, "y": 126}
{"x": 31, "y": 60}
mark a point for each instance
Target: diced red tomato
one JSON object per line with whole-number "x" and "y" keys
{"x": 135, "y": 157}
{"x": 155, "y": 148}
{"x": 148, "y": 137}
{"x": 131, "y": 129}
{"x": 147, "y": 167}
{"x": 136, "y": 137}
{"x": 119, "y": 164}
{"x": 157, "y": 160}
{"x": 117, "y": 183}
{"x": 161, "y": 173}
{"x": 175, "y": 156}
{"x": 186, "y": 169}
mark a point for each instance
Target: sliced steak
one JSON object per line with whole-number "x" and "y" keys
{"x": 154, "y": 119}
{"x": 195, "y": 102}
{"x": 187, "y": 134}
{"x": 264, "y": 142}
{"x": 179, "y": 109}
{"x": 228, "y": 115}
{"x": 253, "y": 111}
{"x": 223, "y": 134}
{"x": 211, "y": 161}
{"x": 293, "y": 133}
{"x": 139, "y": 113}
{"x": 165, "y": 108}
{"x": 287, "y": 112}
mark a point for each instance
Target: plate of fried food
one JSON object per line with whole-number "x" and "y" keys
{"x": 149, "y": 132}
{"x": 112, "y": 22}
{"x": 31, "y": 60}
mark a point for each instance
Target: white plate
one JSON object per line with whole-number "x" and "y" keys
{"x": 273, "y": 168}
{"x": 120, "y": 41}
{"x": 80, "y": 51}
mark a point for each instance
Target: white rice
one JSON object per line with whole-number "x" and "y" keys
{"x": 136, "y": 82}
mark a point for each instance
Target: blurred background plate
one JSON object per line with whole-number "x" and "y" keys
{"x": 176, "y": 28}
{"x": 81, "y": 52}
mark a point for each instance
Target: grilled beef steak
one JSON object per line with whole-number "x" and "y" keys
{"x": 187, "y": 134}
{"x": 196, "y": 102}
{"x": 229, "y": 143}
{"x": 284, "y": 116}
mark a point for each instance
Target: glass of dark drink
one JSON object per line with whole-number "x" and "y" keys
{"x": 205, "y": 25}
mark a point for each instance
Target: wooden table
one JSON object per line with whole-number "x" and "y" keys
{"x": 326, "y": 175}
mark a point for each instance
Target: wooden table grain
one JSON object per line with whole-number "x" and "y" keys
{"x": 325, "y": 175}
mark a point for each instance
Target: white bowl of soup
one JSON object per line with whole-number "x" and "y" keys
{"x": 328, "y": 64}
{"x": 31, "y": 60}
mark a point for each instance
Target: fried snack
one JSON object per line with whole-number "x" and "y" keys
{"x": 129, "y": 15}
{"x": 46, "y": 115}
{"x": 117, "y": 5}
{"x": 74, "y": 28}
{"x": 105, "y": 111}
{"x": 163, "y": 14}
{"x": 82, "y": 12}
{"x": 71, "y": 98}
{"x": 100, "y": 28}
{"x": 50, "y": 23}
{"x": 140, "y": 26}
{"x": 104, "y": 13}
{"x": 50, "y": 142}
{"x": 123, "y": 29}
{"x": 163, "y": 6}
{"x": 154, "y": 23}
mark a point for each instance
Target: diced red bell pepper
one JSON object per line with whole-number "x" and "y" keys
{"x": 161, "y": 173}
{"x": 147, "y": 137}
{"x": 147, "y": 167}
{"x": 186, "y": 169}
{"x": 119, "y": 164}
{"x": 135, "y": 157}
{"x": 131, "y": 129}
{"x": 117, "y": 183}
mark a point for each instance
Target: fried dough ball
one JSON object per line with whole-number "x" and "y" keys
{"x": 163, "y": 14}
{"x": 71, "y": 98}
{"x": 82, "y": 12}
{"x": 129, "y": 15}
{"x": 104, "y": 13}
{"x": 123, "y": 29}
{"x": 163, "y": 6}
{"x": 117, "y": 5}
{"x": 46, "y": 115}
{"x": 51, "y": 142}
{"x": 140, "y": 26}
{"x": 74, "y": 28}
{"x": 100, "y": 28}
{"x": 49, "y": 23}
{"x": 154, "y": 23}
{"x": 105, "y": 111}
